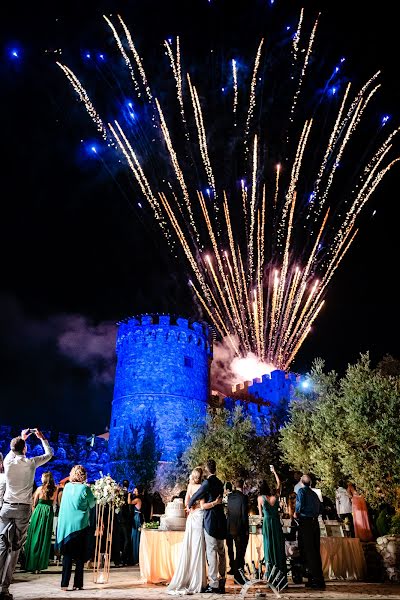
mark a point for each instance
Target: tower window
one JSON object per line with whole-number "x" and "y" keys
{"x": 188, "y": 362}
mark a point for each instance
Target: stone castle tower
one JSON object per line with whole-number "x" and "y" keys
{"x": 163, "y": 374}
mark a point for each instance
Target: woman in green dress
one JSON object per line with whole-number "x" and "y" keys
{"x": 38, "y": 542}
{"x": 273, "y": 539}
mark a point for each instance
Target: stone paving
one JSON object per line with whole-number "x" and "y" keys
{"x": 125, "y": 584}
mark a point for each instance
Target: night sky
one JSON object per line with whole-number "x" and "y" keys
{"x": 78, "y": 254}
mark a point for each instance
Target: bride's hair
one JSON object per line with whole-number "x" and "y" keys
{"x": 196, "y": 475}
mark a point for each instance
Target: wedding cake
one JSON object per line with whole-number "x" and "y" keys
{"x": 174, "y": 518}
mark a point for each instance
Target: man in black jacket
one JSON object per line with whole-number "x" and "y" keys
{"x": 211, "y": 492}
{"x": 238, "y": 527}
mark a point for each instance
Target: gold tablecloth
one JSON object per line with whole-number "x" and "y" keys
{"x": 159, "y": 554}
{"x": 342, "y": 558}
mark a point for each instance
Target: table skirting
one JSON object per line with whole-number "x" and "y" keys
{"x": 342, "y": 558}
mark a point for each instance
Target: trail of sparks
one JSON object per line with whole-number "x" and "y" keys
{"x": 235, "y": 86}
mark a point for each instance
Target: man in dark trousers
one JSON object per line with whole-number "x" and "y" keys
{"x": 308, "y": 508}
{"x": 211, "y": 491}
{"x": 238, "y": 527}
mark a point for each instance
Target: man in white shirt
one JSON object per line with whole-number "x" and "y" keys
{"x": 344, "y": 506}
{"x": 16, "y": 510}
{"x": 2, "y": 481}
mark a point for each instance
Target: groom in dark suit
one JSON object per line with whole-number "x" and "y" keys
{"x": 211, "y": 492}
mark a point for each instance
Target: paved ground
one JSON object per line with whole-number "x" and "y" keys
{"x": 126, "y": 584}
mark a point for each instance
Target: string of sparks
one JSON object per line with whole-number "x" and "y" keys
{"x": 261, "y": 305}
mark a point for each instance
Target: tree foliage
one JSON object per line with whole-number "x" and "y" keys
{"x": 136, "y": 454}
{"x": 348, "y": 428}
{"x": 230, "y": 438}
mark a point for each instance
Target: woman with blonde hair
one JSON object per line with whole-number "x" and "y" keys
{"x": 190, "y": 574}
{"x": 73, "y": 526}
{"x": 38, "y": 542}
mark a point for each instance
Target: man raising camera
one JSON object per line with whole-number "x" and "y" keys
{"x": 16, "y": 510}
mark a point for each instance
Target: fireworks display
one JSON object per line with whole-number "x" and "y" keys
{"x": 258, "y": 183}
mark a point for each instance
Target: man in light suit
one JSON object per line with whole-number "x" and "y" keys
{"x": 211, "y": 491}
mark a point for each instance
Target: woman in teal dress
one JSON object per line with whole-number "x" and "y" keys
{"x": 273, "y": 539}
{"x": 38, "y": 542}
{"x": 136, "y": 500}
{"x": 73, "y": 526}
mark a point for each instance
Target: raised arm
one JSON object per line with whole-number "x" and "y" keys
{"x": 278, "y": 481}
{"x": 48, "y": 452}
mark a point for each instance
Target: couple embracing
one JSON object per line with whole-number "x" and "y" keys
{"x": 204, "y": 536}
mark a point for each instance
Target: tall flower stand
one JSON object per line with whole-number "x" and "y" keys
{"x": 110, "y": 497}
{"x": 104, "y": 530}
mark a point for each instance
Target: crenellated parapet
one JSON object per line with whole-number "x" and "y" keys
{"x": 163, "y": 329}
{"x": 269, "y": 387}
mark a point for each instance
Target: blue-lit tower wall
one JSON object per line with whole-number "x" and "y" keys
{"x": 163, "y": 374}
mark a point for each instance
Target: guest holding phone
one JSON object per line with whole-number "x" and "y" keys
{"x": 17, "y": 503}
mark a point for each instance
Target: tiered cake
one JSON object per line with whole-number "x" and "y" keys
{"x": 175, "y": 516}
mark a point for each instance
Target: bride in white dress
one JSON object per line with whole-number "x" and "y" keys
{"x": 190, "y": 574}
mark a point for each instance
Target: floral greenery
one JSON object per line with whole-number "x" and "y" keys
{"x": 151, "y": 525}
{"x": 107, "y": 491}
{"x": 348, "y": 428}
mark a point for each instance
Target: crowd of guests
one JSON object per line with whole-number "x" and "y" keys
{"x": 58, "y": 519}
{"x": 217, "y": 516}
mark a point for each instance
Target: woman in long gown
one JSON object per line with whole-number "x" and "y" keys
{"x": 190, "y": 574}
{"x": 361, "y": 522}
{"x": 38, "y": 542}
{"x": 273, "y": 539}
{"x": 136, "y": 501}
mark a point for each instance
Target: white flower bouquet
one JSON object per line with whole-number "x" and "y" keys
{"x": 107, "y": 491}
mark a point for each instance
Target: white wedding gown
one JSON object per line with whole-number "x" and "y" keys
{"x": 190, "y": 574}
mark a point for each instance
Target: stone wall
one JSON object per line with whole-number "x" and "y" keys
{"x": 388, "y": 547}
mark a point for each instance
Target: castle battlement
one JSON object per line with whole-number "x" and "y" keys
{"x": 158, "y": 328}
{"x": 274, "y": 382}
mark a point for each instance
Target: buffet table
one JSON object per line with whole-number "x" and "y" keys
{"x": 342, "y": 558}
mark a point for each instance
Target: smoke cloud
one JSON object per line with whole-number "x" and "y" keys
{"x": 227, "y": 369}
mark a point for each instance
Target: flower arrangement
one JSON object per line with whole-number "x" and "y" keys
{"x": 107, "y": 491}
{"x": 151, "y": 525}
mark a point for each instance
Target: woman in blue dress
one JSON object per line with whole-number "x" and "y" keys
{"x": 136, "y": 501}
{"x": 273, "y": 539}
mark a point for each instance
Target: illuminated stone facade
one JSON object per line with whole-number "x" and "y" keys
{"x": 162, "y": 374}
